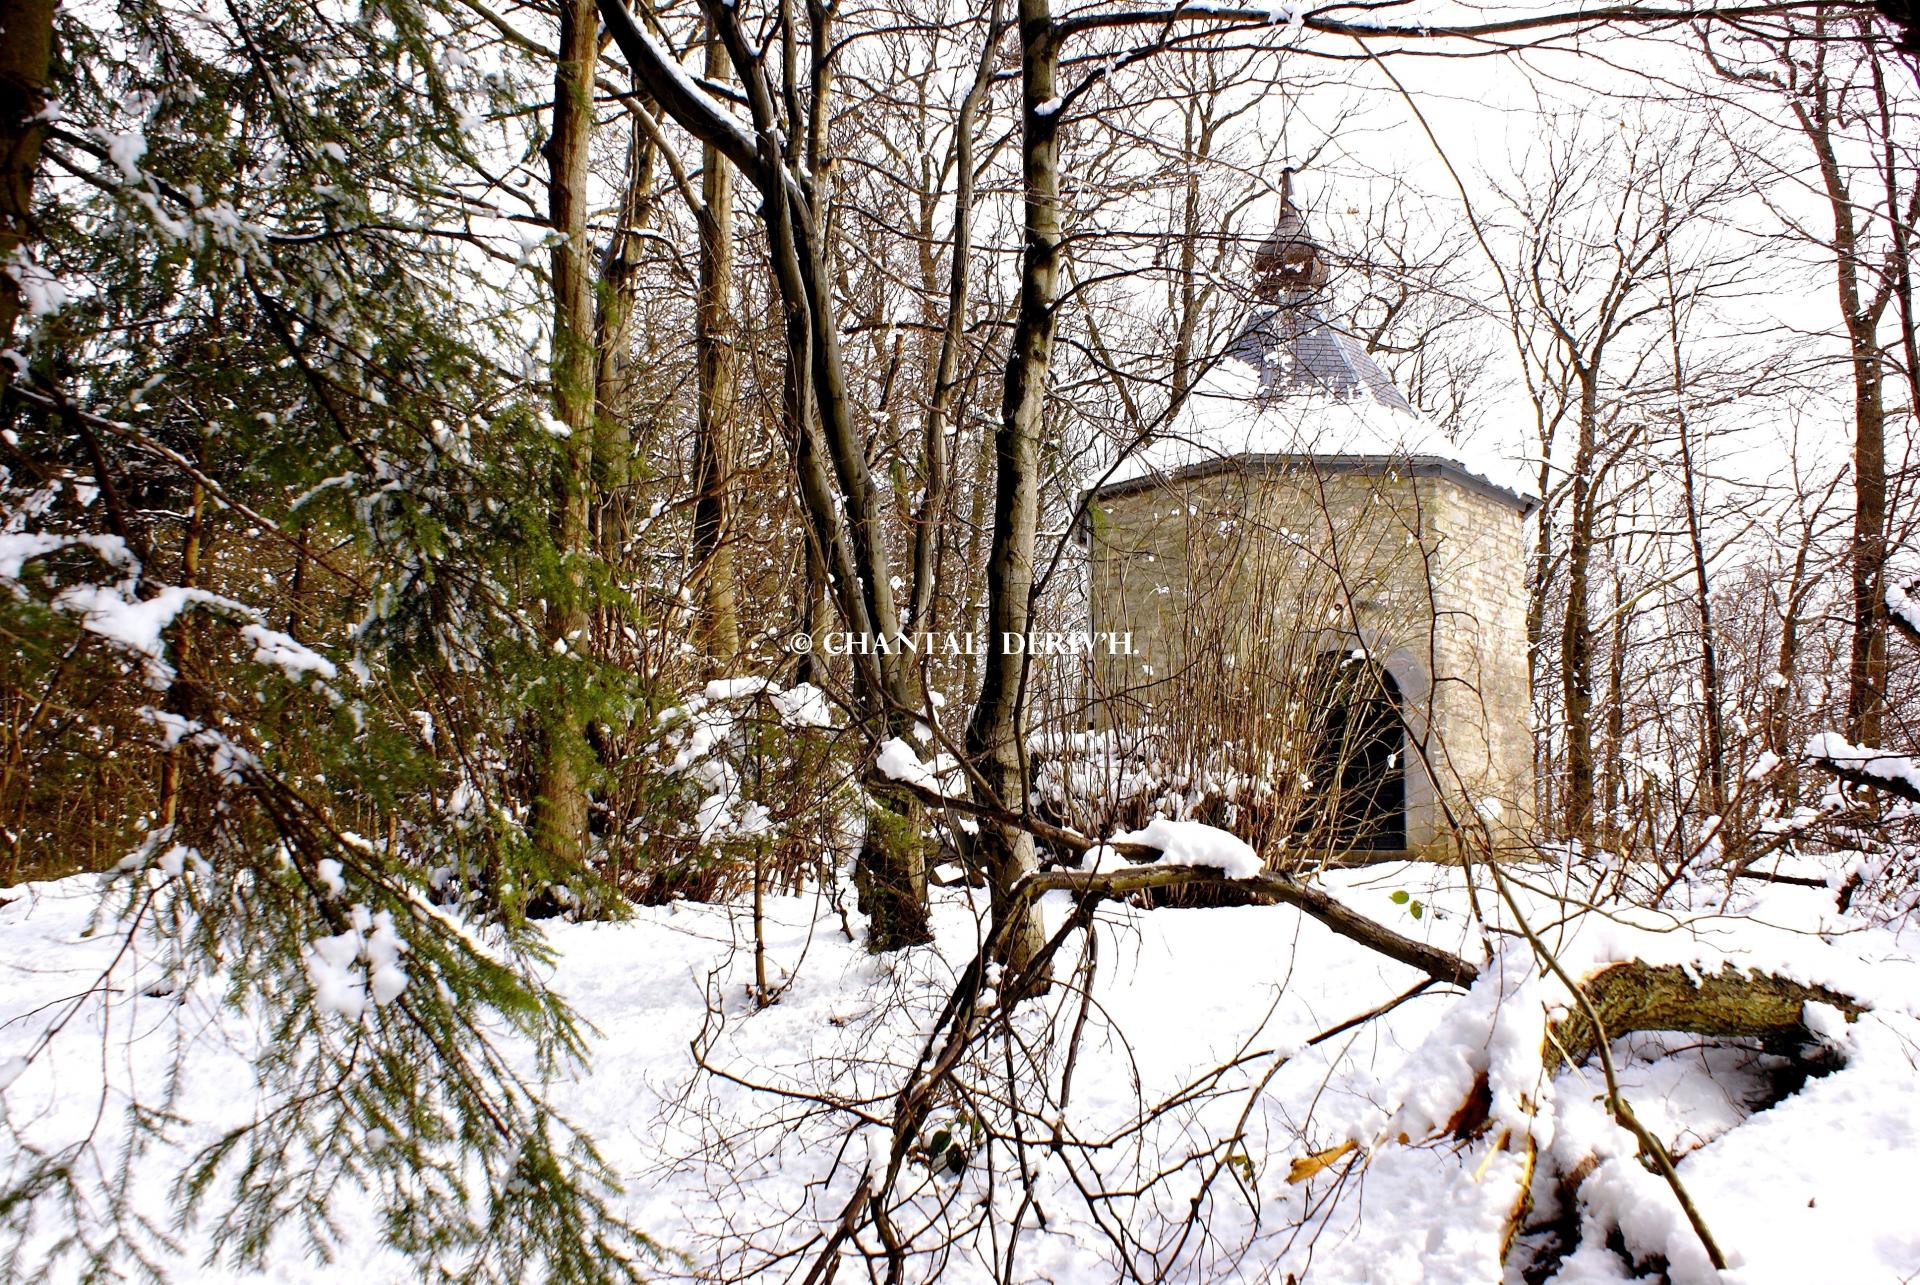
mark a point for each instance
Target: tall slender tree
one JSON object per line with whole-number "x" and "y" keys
{"x": 560, "y": 802}
{"x": 714, "y": 448}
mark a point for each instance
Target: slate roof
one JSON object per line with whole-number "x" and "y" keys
{"x": 1294, "y": 387}
{"x": 1297, "y": 351}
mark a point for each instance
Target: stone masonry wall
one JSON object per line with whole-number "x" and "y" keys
{"x": 1232, "y": 583}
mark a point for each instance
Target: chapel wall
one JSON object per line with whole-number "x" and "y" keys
{"x": 1233, "y": 582}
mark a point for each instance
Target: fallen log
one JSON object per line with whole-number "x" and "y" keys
{"x": 1618, "y": 999}
{"x": 1264, "y": 888}
{"x": 1633, "y": 996}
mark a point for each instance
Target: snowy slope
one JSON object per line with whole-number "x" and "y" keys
{"x": 1200, "y": 1014}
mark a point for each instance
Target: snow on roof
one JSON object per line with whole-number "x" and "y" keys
{"x": 1296, "y": 350}
{"x": 1293, "y": 387}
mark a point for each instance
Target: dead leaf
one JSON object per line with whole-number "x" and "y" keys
{"x": 1307, "y": 1166}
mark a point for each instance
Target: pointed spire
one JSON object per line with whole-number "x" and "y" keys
{"x": 1289, "y": 266}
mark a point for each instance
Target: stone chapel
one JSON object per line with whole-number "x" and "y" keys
{"x": 1322, "y": 590}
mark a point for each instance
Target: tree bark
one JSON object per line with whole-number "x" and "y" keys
{"x": 995, "y": 734}
{"x": 560, "y": 803}
{"x": 1867, "y": 661}
{"x": 713, "y": 458}
{"x": 1713, "y": 750}
{"x": 26, "y": 51}
{"x": 1613, "y": 774}
{"x": 1540, "y": 582}
{"x": 1576, "y": 637}
{"x": 613, "y": 301}
{"x": 1635, "y": 996}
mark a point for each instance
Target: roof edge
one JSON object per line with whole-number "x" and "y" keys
{"x": 1415, "y": 465}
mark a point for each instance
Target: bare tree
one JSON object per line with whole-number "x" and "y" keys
{"x": 1596, "y": 237}
{"x": 714, "y": 411}
{"x": 1830, "y": 78}
{"x": 560, "y": 799}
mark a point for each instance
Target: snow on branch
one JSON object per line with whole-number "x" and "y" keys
{"x": 1897, "y": 774}
{"x": 1330, "y": 19}
{"x": 1902, "y": 610}
{"x": 1195, "y": 843}
{"x": 17, "y": 548}
{"x": 136, "y": 625}
{"x": 697, "y": 111}
{"x": 897, "y": 761}
{"x": 1263, "y": 888}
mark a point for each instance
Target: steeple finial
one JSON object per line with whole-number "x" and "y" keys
{"x": 1289, "y": 265}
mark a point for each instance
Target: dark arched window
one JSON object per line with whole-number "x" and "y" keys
{"x": 1359, "y": 756}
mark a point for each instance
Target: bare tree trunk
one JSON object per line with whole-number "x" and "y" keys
{"x": 560, "y": 802}
{"x": 1713, "y": 750}
{"x": 26, "y": 49}
{"x": 1614, "y": 770}
{"x": 1901, "y": 230}
{"x": 1787, "y": 659}
{"x": 994, "y": 737}
{"x": 815, "y": 609}
{"x": 890, "y": 870}
{"x": 614, "y": 301}
{"x": 1540, "y": 583}
{"x": 713, "y": 457}
{"x": 1867, "y": 664}
{"x": 1867, "y": 660}
{"x": 1190, "y": 296}
{"x": 178, "y": 698}
{"x": 1576, "y": 639}
{"x": 976, "y": 525}
{"x": 832, "y": 473}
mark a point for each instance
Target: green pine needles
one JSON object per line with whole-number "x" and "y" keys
{"x": 273, "y": 523}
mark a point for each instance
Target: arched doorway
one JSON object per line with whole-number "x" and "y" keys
{"x": 1359, "y": 756}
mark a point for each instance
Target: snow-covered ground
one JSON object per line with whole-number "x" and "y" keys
{"x": 737, "y": 1131}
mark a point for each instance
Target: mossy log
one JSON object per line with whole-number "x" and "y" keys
{"x": 1635, "y": 996}
{"x": 1626, "y": 997}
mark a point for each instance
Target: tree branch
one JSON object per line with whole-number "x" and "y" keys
{"x": 1267, "y": 889}
{"x": 1265, "y": 16}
